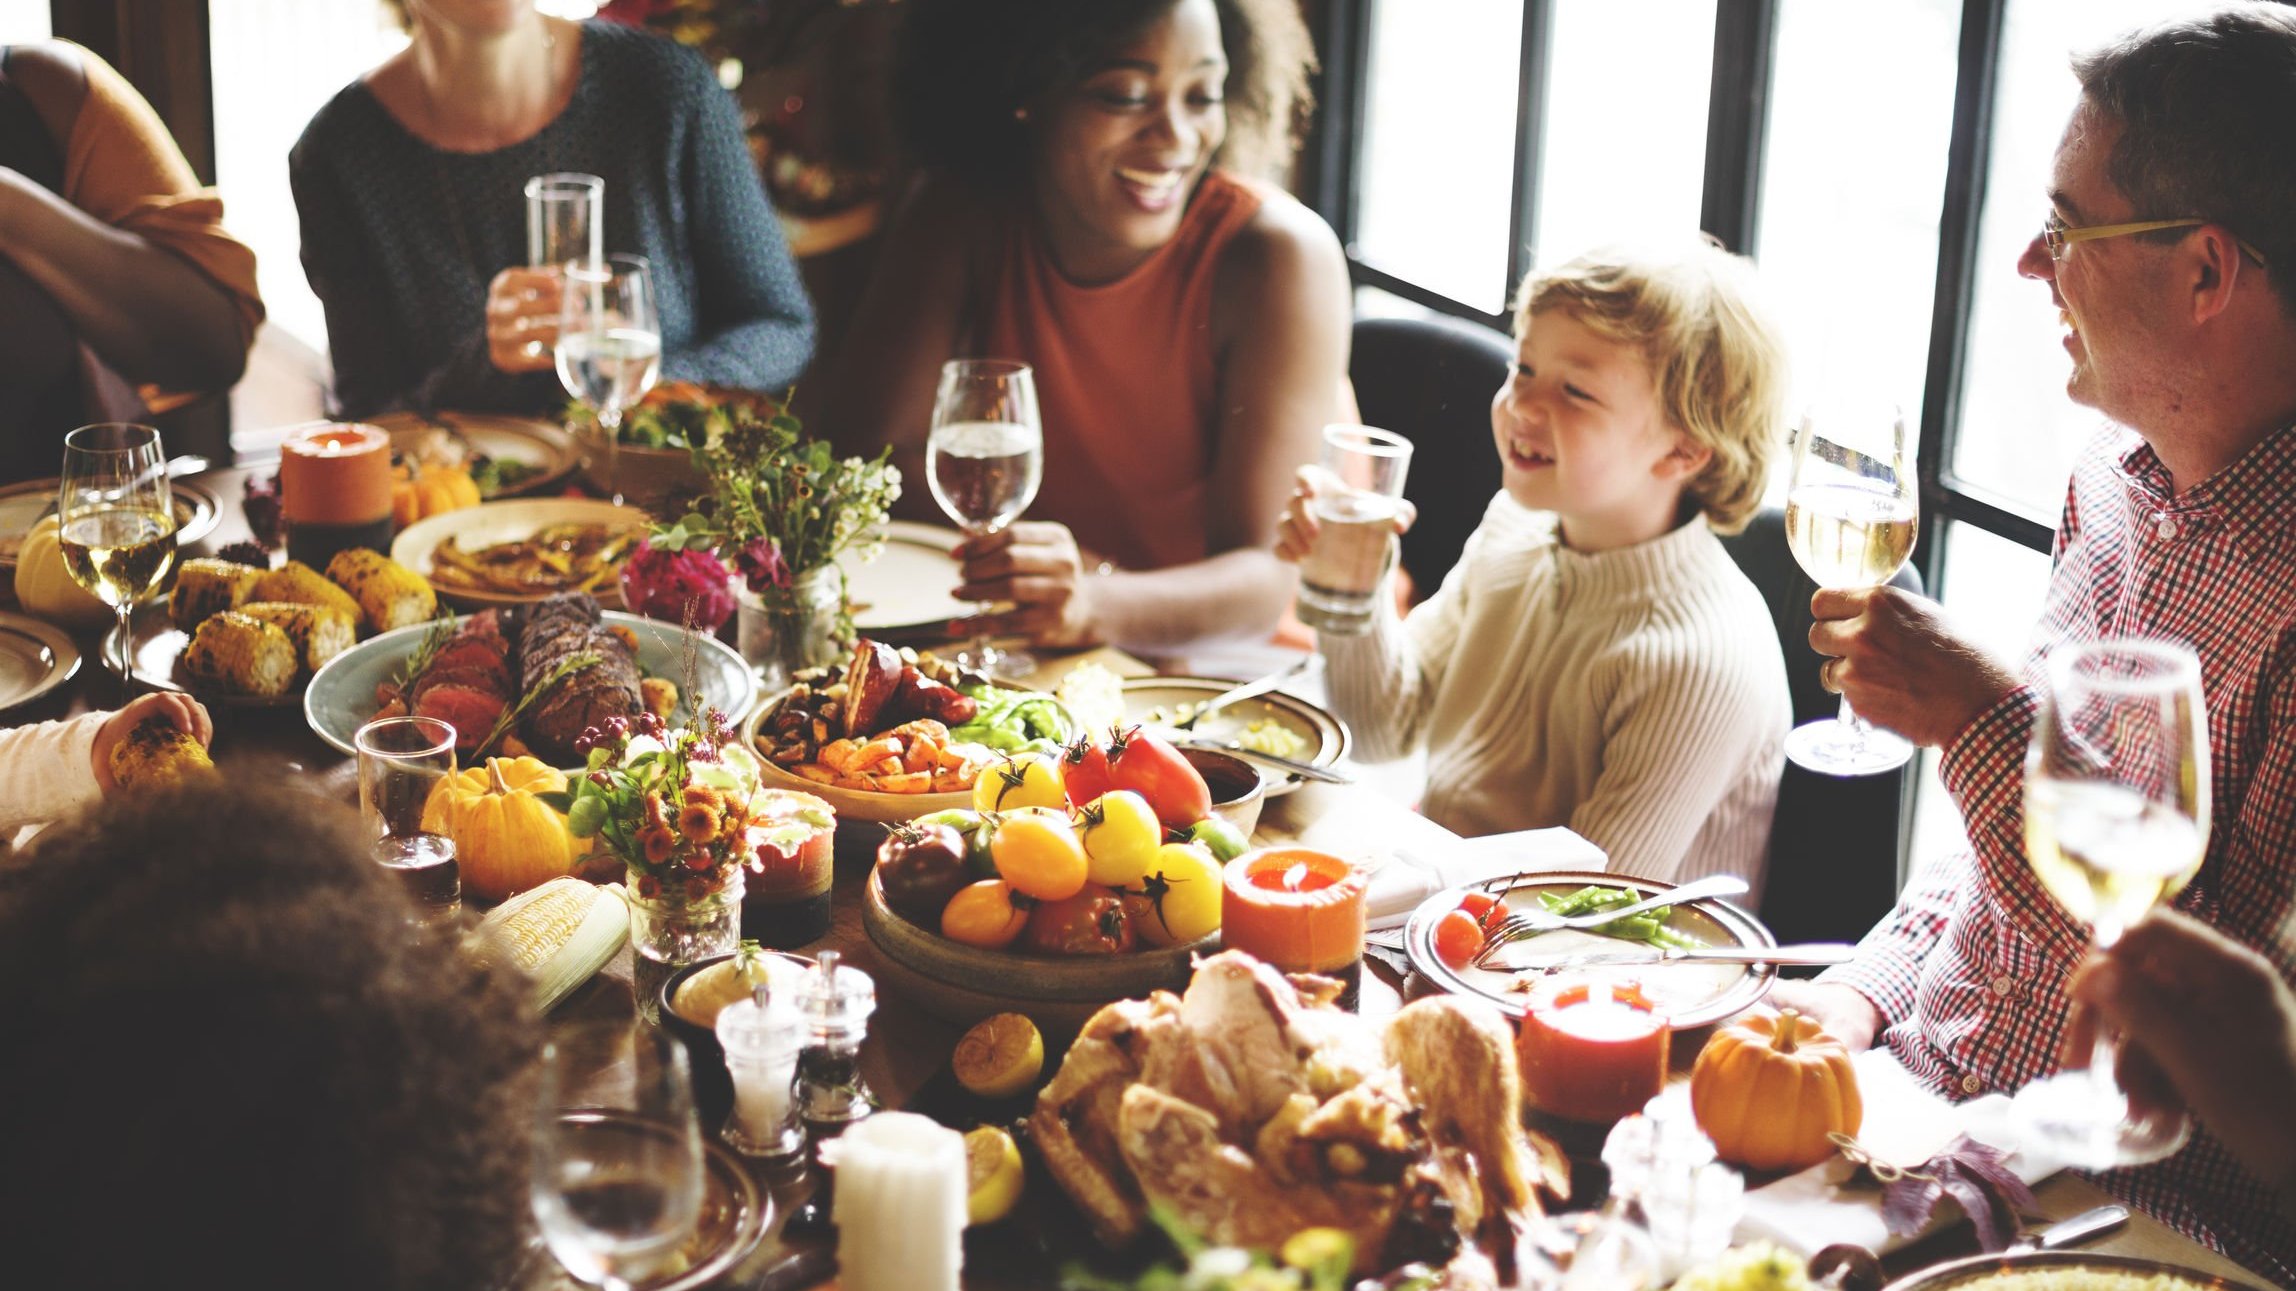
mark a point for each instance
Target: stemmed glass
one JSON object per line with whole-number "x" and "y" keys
{"x": 984, "y": 460}
{"x": 115, "y": 515}
{"x": 402, "y": 761}
{"x": 2116, "y": 821}
{"x": 617, "y": 1152}
{"x": 609, "y": 344}
{"x": 1850, "y": 520}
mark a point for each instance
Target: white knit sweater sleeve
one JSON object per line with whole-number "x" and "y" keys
{"x": 1691, "y": 715}
{"x": 47, "y": 771}
{"x": 1383, "y": 683}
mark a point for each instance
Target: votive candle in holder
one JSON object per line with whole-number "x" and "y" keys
{"x": 761, "y": 1037}
{"x": 1592, "y": 1051}
{"x": 335, "y": 491}
{"x": 900, "y": 1204}
{"x": 1298, "y": 909}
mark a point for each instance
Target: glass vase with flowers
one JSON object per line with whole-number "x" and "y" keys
{"x": 780, "y": 510}
{"x": 678, "y": 806}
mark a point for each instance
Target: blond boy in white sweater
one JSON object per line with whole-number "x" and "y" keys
{"x": 1596, "y": 659}
{"x": 52, "y": 769}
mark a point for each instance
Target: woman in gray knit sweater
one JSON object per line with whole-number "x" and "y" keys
{"x": 410, "y": 184}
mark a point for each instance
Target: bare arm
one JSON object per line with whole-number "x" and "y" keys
{"x": 147, "y": 311}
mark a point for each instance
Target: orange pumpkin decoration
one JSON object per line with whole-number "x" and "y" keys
{"x": 1769, "y": 1089}
{"x": 417, "y": 493}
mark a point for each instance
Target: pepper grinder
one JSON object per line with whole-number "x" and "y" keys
{"x": 835, "y": 1003}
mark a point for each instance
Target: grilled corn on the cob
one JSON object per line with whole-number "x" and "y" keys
{"x": 388, "y": 593}
{"x": 557, "y": 934}
{"x": 205, "y": 586}
{"x": 319, "y": 632}
{"x": 241, "y": 653}
{"x": 299, "y": 584}
{"x": 157, "y": 753}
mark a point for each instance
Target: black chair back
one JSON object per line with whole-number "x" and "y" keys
{"x": 1835, "y": 842}
{"x": 1431, "y": 381}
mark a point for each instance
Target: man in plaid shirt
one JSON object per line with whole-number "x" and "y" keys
{"x": 2170, "y": 248}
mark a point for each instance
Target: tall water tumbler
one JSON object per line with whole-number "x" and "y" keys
{"x": 1355, "y": 505}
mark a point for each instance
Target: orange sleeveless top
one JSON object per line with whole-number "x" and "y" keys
{"x": 1125, "y": 379}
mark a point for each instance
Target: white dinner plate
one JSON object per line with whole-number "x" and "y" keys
{"x": 1690, "y": 994}
{"x": 35, "y": 658}
{"x": 529, "y": 441}
{"x": 910, "y": 586}
{"x": 1323, "y": 735}
{"x": 491, "y": 522}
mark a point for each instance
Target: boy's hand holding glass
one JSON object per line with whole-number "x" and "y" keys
{"x": 1352, "y": 511}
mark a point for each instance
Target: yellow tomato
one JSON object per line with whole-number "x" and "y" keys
{"x": 1183, "y": 895}
{"x": 1023, "y": 780}
{"x": 1120, "y": 835}
{"x": 983, "y": 914}
{"x": 1039, "y": 856}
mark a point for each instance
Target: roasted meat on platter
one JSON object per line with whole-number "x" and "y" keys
{"x": 1250, "y": 1108}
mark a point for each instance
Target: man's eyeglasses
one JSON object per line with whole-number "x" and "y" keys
{"x": 2057, "y": 237}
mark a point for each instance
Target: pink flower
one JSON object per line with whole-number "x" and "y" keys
{"x": 761, "y": 565}
{"x": 678, "y": 586}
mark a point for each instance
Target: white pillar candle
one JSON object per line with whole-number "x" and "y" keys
{"x": 900, "y": 1204}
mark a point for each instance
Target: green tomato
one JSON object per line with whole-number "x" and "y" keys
{"x": 1183, "y": 889}
{"x": 1023, "y": 780}
{"x": 1120, "y": 837}
{"x": 977, "y": 830}
{"x": 1224, "y": 841}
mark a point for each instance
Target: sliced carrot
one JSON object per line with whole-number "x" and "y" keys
{"x": 838, "y": 754}
{"x": 817, "y": 773}
{"x": 909, "y": 782}
{"x": 923, "y": 754}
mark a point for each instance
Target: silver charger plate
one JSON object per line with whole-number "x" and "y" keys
{"x": 1972, "y": 1273}
{"x": 197, "y": 512}
{"x": 528, "y": 441}
{"x": 35, "y": 658}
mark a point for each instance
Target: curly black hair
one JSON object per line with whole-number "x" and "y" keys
{"x": 962, "y": 67}
{"x": 226, "y": 1050}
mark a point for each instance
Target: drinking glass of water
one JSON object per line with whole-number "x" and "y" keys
{"x": 1354, "y": 506}
{"x": 401, "y": 761}
{"x": 2116, "y": 821}
{"x": 984, "y": 460}
{"x": 565, "y": 225}
{"x": 617, "y": 1184}
{"x": 609, "y": 346}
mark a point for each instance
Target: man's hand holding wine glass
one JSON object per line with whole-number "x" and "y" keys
{"x": 1902, "y": 665}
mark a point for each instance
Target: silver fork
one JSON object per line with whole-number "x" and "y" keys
{"x": 1520, "y": 925}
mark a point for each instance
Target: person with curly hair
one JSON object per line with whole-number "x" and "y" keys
{"x": 1093, "y": 204}
{"x": 230, "y": 1059}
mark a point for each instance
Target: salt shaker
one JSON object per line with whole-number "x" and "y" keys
{"x": 835, "y": 1003}
{"x": 762, "y": 1036}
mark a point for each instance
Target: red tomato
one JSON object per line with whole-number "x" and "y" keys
{"x": 1489, "y": 911}
{"x": 1458, "y": 938}
{"x": 1093, "y": 922}
{"x": 1148, "y": 765}
{"x": 1084, "y": 770}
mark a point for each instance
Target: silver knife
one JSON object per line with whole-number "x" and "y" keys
{"x": 1305, "y": 770}
{"x": 1247, "y": 690}
{"x": 1824, "y": 952}
{"x": 2071, "y": 1232}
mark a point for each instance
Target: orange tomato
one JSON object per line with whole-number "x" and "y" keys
{"x": 983, "y": 914}
{"x": 1039, "y": 855}
{"x": 1458, "y": 938}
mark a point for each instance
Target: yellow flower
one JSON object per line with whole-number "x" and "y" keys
{"x": 698, "y": 822}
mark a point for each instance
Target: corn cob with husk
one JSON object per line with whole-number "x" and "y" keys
{"x": 240, "y": 653}
{"x": 204, "y": 587}
{"x": 298, "y": 584}
{"x": 157, "y": 753}
{"x": 388, "y": 593}
{"x": 557, "y": 934}
{"x": 319, "y": 632}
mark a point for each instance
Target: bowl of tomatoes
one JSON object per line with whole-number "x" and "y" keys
{"x": 1069, "y": 882}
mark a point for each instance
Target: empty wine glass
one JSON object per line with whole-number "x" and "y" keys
{"x": 1850, "y": 521}
{"x": 609, "y": 346}
{"x": 2116, "y": 821}
{"x": 115, "y": 516}
{"x": 983, "y": 460}
{"x": 402, "y": 762}
{"x": 617, "y": 1183}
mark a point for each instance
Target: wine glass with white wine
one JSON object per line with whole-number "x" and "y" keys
{"x": 116, "y": 520}
{"x": 2116, "y": 821}
{"x": 1850, "y": 521}
{"x": 609, "y": 346}
{"x": 983, "y": 461}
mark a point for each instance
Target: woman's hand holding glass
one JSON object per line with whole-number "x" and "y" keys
{"x": 1037, "y": 567}
{"x": 522, "y": 308}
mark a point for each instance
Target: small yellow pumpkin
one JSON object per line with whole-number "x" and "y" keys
{"x": 506, "y": 839}
{"x": 45, "y": 588}
{"x": 1770, "y": 1088}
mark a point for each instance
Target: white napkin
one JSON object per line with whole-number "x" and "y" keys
{"x": 1409, "y": 875}
{"x": 1905, "y": 1124}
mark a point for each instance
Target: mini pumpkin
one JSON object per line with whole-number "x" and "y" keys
{"x": 45, "y": 588}
{"x": 421, "y": 492}
{"x": 506, "y": 838}
{"x": 1770, "y": 1088}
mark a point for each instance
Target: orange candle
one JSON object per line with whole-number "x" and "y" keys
{"x": 1298, "y": 909}
{"x": 1593, "y": 1052}
{"x": 335, "y": 474}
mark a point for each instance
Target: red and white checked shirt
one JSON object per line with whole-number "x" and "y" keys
{"x": 1969, "y": 970}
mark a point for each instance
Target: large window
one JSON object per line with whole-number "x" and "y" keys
{"x": 23, "y": 21}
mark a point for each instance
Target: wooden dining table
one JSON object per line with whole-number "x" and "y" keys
{"x": 908, "y": 1049}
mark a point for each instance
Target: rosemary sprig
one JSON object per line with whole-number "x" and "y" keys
{"x": 566, "y": 668}
{"x": 418, "y": 660}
